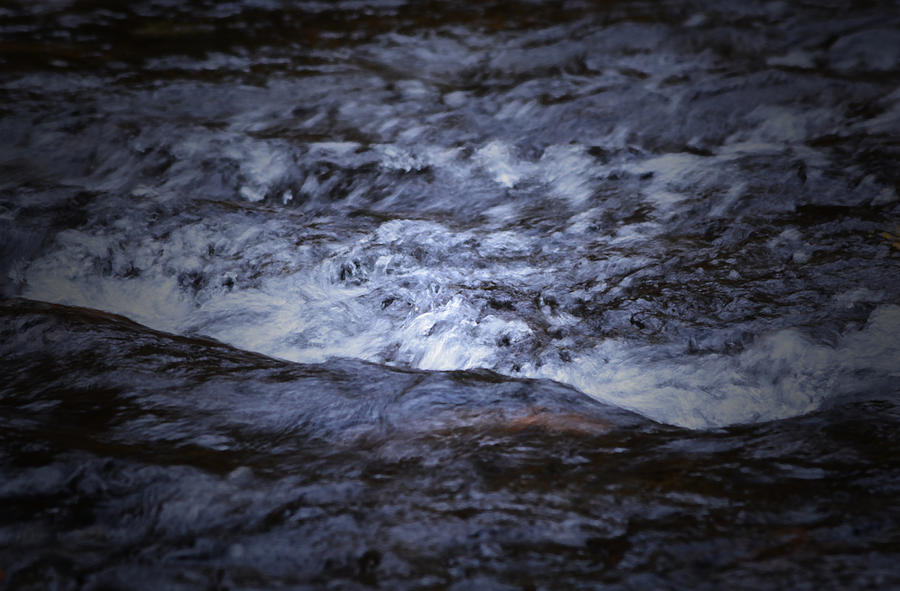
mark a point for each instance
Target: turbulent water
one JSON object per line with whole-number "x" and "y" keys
{"x": 426, "y": 295}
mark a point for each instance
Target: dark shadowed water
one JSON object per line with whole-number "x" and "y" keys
{"x": 427, "y": 295}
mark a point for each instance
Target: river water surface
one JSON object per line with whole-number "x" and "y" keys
{"x": 427, "y": 295}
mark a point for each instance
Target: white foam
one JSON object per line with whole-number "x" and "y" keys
{"x": 449, "y": 337}
{"x": 876, "y": 347}
{"x": 261, "y": 164}
{"x": 395, "y": 157}
{"x": 412, "y": 89}
{"x": 772, "y": 124}
{"x": 455, "y": 99}
{"x": 631, "y": 234}
{"x": 669, "y": 168}
{"x": 517, "y": 109}
{"x": 334, "y": 149}
{"x": 732, "y": 195}
{"x": 524, "y": 55}
{"x": 505, "y": 243}
{"x": 497, "y": 159}
{"x": 568, "y": 169}
{"x": 301, "y": 318}
{"x": 782, "y": 375}
{"x": 301, "y": 309}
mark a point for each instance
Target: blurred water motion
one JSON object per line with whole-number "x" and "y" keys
{"x": 504, "y": 295}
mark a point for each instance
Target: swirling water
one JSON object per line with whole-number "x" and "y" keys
{"x": 428, "y": 295}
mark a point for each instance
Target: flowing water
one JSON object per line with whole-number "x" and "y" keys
{"x": 427, "y": 295}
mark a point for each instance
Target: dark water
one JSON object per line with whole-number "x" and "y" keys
{"x": 427, "y": 295}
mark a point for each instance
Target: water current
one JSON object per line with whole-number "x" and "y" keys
{"x": 432, "y": 295}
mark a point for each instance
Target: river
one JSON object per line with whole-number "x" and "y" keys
{"x": 431, "y": 295}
